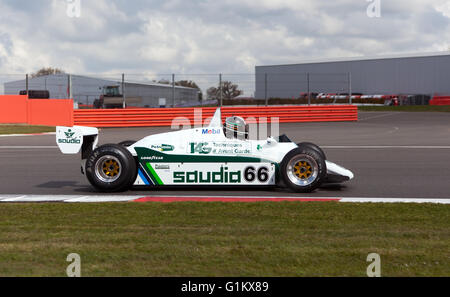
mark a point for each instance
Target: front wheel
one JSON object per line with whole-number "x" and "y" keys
{"x": 314, "y": 147}
{"x": 111, "y": 168}
{"x": 303, "y": 169}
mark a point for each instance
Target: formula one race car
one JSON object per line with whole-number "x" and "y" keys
{"x": 214, "y": 155}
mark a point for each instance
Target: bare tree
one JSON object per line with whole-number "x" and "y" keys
{"x": 187, "y": 84}
{"x": 212, "y": 93}
{"x": 47, "y": 71}
{"x": 164, "y": 81}
{"x": 229, "y": 91}
{"x": 190, "y": 84}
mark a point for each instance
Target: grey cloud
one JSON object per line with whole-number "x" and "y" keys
{"x": 209, "y": 36}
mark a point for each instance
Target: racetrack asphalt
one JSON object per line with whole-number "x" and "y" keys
{"x": 392, "y": 154}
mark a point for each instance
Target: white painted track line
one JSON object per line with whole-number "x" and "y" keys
{"x": 98, "y": 199}
{"x": 395, "y": 200}
{"x": 36, "y": 198}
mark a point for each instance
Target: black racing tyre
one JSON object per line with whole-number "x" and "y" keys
{"x": 127, "y": 143}
{"x": 303, "y": 169}
{"x": 314, "y": 147}
{"x": 111, "y": 168}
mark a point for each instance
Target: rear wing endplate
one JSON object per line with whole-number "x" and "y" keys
{"x": 71, "y": 139}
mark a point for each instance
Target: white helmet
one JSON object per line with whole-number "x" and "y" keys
{"x": 235, "y": 127}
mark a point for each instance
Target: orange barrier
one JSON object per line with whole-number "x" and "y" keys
{"x": 13, "y": 109}
{"x": 53, "y": 112}
{"x": 50, "y": 112}
{"x": 440, "y": 100}
{"x": 141, "y": 117}
{"x": 19, "y": 109}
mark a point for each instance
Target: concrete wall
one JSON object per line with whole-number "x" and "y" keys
{"x": 403, "y": 75}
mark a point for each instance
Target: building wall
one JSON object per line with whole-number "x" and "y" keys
{"x": 86, "y": 89}
{"x": 55, "y": 84}
{"x": 151, "y": 94}
{"x": 404, "y": 75}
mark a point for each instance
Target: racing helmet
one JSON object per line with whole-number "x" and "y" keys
{"x": 236, "y": 127}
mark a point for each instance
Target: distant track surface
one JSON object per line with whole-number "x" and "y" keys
{"x": 393, "y": 155}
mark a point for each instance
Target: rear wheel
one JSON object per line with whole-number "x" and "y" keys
{"x": 303, "y": 169}
{"x": 111, "y": 168}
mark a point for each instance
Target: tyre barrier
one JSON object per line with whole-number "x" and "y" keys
{"x": 147, "y": 117}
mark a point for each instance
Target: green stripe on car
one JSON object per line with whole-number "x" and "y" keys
{"x": 154, "y": 175}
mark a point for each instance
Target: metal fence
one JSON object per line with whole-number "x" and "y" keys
{"x": 153, "y": 90}
{"x": 302, "y": 85}
{"x": 186, "y": 90}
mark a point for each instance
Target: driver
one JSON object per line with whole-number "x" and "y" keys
{"x": 235, "y": 127}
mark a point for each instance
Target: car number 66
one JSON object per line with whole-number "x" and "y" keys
{"x": 250, "y": 174}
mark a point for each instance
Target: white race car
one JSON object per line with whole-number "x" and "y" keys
{"x": 214, "y": 155}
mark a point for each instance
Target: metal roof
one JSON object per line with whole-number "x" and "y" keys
{"x": 367, "y": 58}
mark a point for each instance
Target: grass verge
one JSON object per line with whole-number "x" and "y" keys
{"x": 224, "y": 239}
{"x": 24, "y": 129}
{"x": 413, "y": 108}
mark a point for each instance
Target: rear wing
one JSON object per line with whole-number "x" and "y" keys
{"x": 71, "y": 139}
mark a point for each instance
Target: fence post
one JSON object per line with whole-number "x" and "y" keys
{"x": 350, "y": 87}
{"x": 173, "y": 90}
{"x": 220, "y": 90}
{"x": 26, "y": 84}
{"x": 265, "y": 89}
{"x": 309, "y": 93}
{"x": 69, "y": 86}
{"x": 123, "y": 91}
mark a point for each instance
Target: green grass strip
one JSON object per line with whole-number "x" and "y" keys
{"x": 24, "y": 129}
{"x": 224, "y": 239}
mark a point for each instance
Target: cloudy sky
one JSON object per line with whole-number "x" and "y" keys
{"x": 210, "y": 36}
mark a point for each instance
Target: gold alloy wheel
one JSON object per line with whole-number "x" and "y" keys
{"x": 108, "y": 168}
{"x": 111, "y": 168}
{"x": 303, "y": 170}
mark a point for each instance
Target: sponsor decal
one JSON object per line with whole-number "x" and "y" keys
{"x": 200, "y": 148}
{"x": 69, "y": 133}
{"x": 147, "y": 154}
{"x": 163, "y": 147}
{"x": 157, "y": 166}
{"x": 211, "y": 131}
{"x": 69, "y": 138}
{"x": 152, "y": 158}
{"x": 219, "y": 177}
{"x": 223, "y": 176}
{"x": 219, "y": 148}
{"x": 259, "y": 147}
